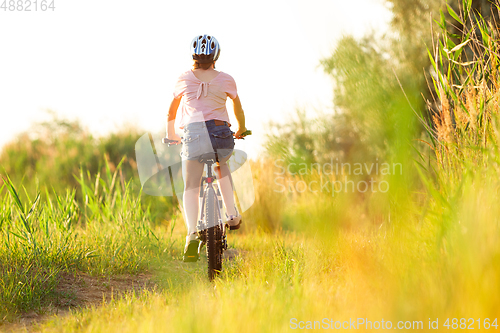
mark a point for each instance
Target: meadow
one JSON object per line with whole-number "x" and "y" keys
{"x": 424, "y": 252}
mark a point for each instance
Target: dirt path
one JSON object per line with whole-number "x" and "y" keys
{"x": 78, "y": 291}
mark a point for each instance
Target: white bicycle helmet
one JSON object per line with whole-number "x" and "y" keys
{"x": 203, "y": 46}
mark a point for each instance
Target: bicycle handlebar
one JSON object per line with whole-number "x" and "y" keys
{"x": 243, "y": 135}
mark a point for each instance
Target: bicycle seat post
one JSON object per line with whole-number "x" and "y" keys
{"x": 208, "y": 159}
{"x": 209, "y": 168}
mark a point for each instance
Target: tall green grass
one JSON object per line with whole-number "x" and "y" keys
{"x": 50, "y": 153}
{"x": 464, "y": 129}
{"x": 108, "y": 233}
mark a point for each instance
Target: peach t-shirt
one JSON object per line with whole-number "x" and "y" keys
{"x": 204, "y": 100}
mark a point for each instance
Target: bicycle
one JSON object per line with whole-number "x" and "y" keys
{"x": 211, "y": 229}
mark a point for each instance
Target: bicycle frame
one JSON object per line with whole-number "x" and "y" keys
{"x": 208, "y": 186}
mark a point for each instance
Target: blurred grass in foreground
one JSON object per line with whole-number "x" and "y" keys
{"x": 353, "y": 274}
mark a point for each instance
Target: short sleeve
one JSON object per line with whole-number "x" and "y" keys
{"x": 231, "y": 90}
{"x": 180, "y": 87}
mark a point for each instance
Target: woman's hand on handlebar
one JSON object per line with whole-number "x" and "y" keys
{"x": 238, "y": 134}
{"x": 174, "y": 137}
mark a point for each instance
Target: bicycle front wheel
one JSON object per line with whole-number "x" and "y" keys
{"x": 214, "y": 234}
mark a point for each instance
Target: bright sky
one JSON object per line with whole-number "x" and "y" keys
{"x": 115, "y": 61}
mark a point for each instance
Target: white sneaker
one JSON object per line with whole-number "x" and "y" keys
{"x": 191, "y": 237}
{"x": 192, "y": 248}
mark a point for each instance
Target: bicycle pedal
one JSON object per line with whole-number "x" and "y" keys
{"x": 234, "y": 227}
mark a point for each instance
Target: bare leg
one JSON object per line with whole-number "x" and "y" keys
{"x": 226, "y": 185}
{"x": 192, "y": 171}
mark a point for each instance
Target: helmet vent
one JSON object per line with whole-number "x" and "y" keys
{"x": 205, "y": 46}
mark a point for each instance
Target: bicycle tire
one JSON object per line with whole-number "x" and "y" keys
{"x": 214, "y": 235}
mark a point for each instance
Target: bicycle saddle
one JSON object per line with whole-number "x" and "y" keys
{"x": 207, "y": 157}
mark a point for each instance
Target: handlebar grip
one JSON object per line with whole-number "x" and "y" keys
{"x": 244, "y": 134}
{"x": 247, "y": 132}
{"x": 166, "y": 140}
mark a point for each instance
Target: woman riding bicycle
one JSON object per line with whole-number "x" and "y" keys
{"x": 205, "y": 122}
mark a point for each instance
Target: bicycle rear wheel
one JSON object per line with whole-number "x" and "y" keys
{"x": 214, "y": 235}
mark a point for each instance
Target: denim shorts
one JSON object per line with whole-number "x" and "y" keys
{"x": 206, "y": 137}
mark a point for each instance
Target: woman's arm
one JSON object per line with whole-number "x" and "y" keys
{"x": 240, "y": 117}
{"x": 172, "y": 113}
